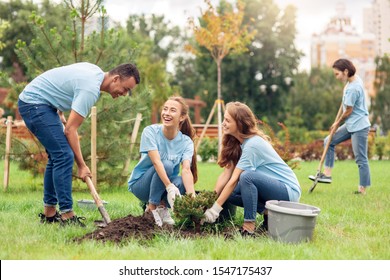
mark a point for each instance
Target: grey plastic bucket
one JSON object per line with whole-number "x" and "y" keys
{"x": 291, "y": 222}
{"x": 89, "y": 204}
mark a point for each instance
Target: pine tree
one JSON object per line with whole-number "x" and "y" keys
{"x": 72, "y": 42}
{"x": 191, "y": 210}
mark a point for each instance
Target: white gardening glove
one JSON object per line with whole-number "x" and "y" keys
{"x": 212, "y": 214}
{"x": 172, "y": 192}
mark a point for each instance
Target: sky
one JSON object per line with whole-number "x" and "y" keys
{"x": 312, "y": 15}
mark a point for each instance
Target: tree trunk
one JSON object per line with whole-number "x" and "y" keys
{"x": 219, "y": 62}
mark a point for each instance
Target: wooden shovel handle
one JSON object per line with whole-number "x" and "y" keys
{"x": 97, "y": 200}
{"x": 93, "y": 191}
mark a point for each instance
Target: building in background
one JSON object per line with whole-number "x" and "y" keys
{"x": 339, "y": 39}
{"x": 376, "y": 20}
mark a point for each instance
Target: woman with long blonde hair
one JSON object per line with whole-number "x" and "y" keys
{"x": 253, "y": 172}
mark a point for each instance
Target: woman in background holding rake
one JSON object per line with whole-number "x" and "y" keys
{"x": 356, "y": 125}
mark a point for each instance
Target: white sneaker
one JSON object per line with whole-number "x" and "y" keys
{"x": 157, "y": 217}
{"x": 165, "y": 215}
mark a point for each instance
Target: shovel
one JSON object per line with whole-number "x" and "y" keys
{"x": 332, "y": 132}
{"x": 99, "y": 202}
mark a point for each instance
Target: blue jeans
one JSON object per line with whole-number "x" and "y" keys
{"x": 43, "y": 121}
{"x": 359, "y": 141}
{"x": 253, "y": 190}
{"x": 150, "y": 188}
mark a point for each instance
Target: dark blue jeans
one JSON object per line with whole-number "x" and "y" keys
{"x": 150, "y": 188}
{"x": 253, "y": 190}
{"x": 43, "y": 121}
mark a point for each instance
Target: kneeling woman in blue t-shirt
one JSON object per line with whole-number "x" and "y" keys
{"x": 253, "y": 172}
{"x": 163, "y": 148}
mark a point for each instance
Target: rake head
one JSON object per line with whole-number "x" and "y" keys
{"x": 315, "y": 182}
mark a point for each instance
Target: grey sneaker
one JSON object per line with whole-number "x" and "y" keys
{"x": 165, "y": 215}
{"x": 157, "y": 217}
{"x": 321, "y": 178}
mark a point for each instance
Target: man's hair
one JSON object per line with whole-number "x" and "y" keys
{"x": 125, "y": 71}
{"x": 343, "y": 64}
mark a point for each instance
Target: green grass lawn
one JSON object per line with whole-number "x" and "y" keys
{"x": 349, "y": 227}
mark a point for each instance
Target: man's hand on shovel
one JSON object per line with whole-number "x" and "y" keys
{"x": 84, "y": 172}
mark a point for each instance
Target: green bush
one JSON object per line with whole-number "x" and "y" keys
{"x": 208, "y": 149}
{"x": 189, "y": 210}
{"x": 382, "y": 146}
{"x": 284, "y": 149}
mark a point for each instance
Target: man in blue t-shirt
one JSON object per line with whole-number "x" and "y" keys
{"x": 74, "y": 88}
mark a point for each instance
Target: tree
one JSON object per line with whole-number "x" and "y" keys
{"x": 221, "y": 33}
{"x": 381, "y": 101}
{"x": 271, "y": 58}
{"x": 156, "y": 40}
{"x": 17, "y": 13}
{"x": 3, "y": 26}
{"x": 67, "y": 43}
{"x": 165, "y": 37}
{"x": 260, "y": 74}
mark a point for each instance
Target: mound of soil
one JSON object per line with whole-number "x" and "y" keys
{"x": 143, "y": 227}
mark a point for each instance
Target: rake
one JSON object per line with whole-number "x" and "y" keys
{"x": 332, "y": 132}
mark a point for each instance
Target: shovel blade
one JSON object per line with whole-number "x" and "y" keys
{"x": 313, "y": 186}
{"x": 100, "y": 223}
{"x": 104, "y": 214}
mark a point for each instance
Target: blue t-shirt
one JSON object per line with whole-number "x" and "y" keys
{"x": 259, "y": 155}
{"x": 75, "y": 86}
{"x": 354, "y": 97}
{"x": 176, "y": 150}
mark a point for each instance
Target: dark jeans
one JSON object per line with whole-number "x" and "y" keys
{"x": 150, "y": 188}
{"x": 43, "y": 121}
{"x": 253, "y": 190}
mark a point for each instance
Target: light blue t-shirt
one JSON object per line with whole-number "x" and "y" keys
{"x": 176, "y": 150}
{"x": 259, "y": 155}
{"x": 354, "y": 97}
{"x": 75, "y": 86}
